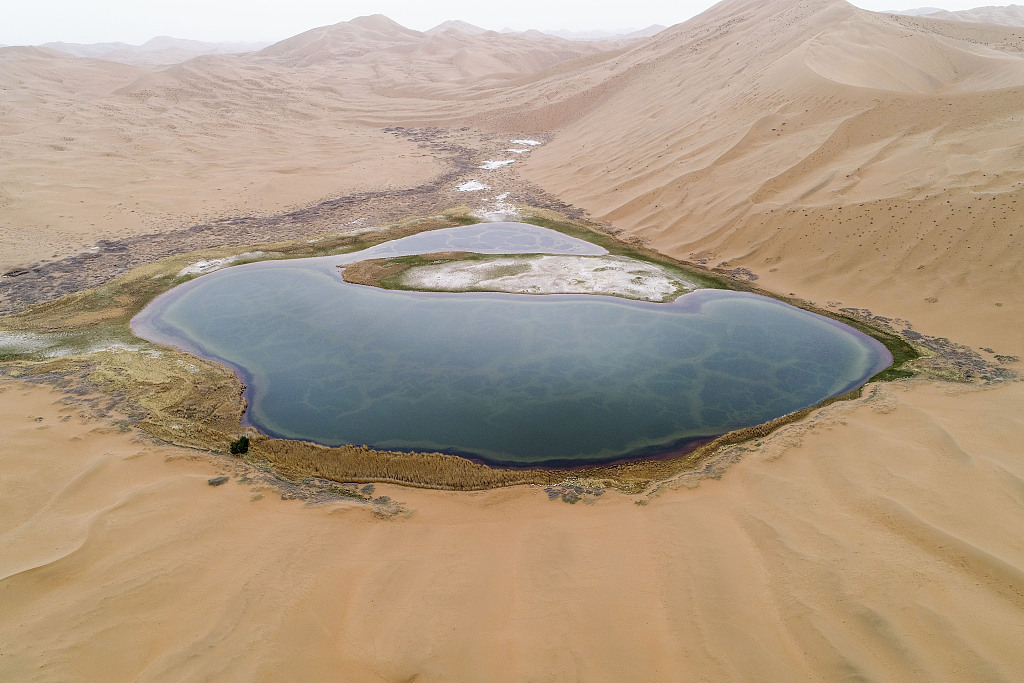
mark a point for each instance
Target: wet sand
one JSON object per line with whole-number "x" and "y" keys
{"x": 867, "y": 540}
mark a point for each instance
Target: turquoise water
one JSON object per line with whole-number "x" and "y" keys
{"x": 505, "y": 378}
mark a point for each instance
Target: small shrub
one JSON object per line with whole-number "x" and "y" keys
{"x": 240, "y": 446}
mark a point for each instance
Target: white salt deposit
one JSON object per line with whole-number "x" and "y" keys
{"x": 607, "y": 275}
{"x": 203, "y": 267}
{"x": 498, "y": 210}
{"x": 472, "y": 186}
{"x": 23, "y": 342}
{"x": 518, "y": 150}
{"x": 61, "y": 351}
{"x": 531, "y": 143}
{"x": 492, "y": 165}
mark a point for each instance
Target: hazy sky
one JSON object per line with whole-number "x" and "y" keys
{"x": 30, "y": 22}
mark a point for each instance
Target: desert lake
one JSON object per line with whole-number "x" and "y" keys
{"x": 508, "y": 379}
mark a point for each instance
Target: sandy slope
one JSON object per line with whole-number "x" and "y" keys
{"x": 96, "y": 150}
{"x": 1011, "y": 15}
{"x": 838, "y": 154}
{"x": 880, "y": 542}
{"x": 841, "y": 155}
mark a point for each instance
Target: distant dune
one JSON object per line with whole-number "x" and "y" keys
{"x": 97, "y": 149}
{"x": 851, "y": 158}
{"x": 652, "y": 30}
{"x": 456, "y": 25}
{"x": 1010, "y": 15}
{"x": 162, "y": 50}
{"x": 452, "y": 51}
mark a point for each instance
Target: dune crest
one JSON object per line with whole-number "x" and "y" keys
{"x": 883, "y": 56}
{"x": 765, "y": 135}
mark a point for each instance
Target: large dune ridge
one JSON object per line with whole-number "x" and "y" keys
{"x": 853, "y": 159}
{"x": 1010, "y": 15}
{"x": 96, "y": 150}
{"x": 159, "y": 51}
{"x": 881, "y": 177}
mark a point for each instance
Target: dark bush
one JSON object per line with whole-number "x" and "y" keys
{"x": 240, "y": 446}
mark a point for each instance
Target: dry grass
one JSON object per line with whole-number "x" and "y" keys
{"x": 298, "y": 460}
{"x": 170, "y": 395}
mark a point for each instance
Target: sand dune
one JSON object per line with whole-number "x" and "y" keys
{"x": 350, "y": 39}
{"x": 852, "y": 158}
{"x": 162, "y": 50}
{"x": 97, "y": 150}
{"x": 780, "y": 147}
{"x": 864, "y": 54}
{"x": 100, "y": 150}
{"x": 1011, "y": 15}
{"x": 449, "y": 52}
{"x": 879, "y": 541}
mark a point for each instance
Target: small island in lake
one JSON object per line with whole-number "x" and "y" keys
{"x": 607, "y": 275}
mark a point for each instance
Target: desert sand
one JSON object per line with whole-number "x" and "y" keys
{"x": 853, "y": 159}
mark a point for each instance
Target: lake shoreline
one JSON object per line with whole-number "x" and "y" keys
{"x": 630, "y": 476}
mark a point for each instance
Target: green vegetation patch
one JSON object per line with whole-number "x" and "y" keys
{"x": 387, "y": 273}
